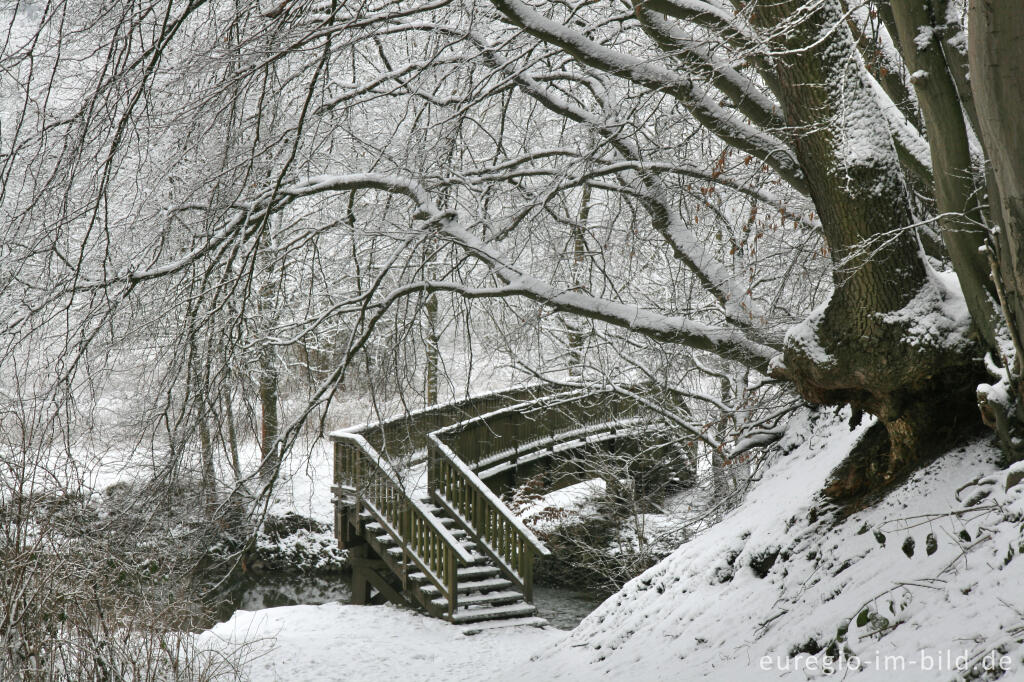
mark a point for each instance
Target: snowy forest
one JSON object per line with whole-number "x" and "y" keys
{"x": 507, "y": 339}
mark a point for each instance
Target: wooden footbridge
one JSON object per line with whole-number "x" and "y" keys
{"x": 417, "y": 505}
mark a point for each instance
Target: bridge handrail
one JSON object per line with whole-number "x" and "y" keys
{"x": 585, "y": 433}
{"x": 479, "y": 439}
{"x": 452, "y": 482}
{"x": 407, "y": 432}
{"x": 422, "y": 538}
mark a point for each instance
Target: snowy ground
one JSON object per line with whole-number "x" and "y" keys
{"x": 906, "y": 590}
{"x": 371, "y": 644}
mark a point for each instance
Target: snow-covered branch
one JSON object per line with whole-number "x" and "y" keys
{"x": 723, "y": 123}
{"x": 731, "y": 343}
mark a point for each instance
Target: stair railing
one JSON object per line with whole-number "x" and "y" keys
{"x": 499, "y": 532}
{"x": 455, "y": 451}
{"x": 493, "y": 426}
{"x": 360, "y": 471}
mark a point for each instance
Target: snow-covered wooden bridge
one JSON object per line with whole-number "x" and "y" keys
{"x": 416, "y": 497}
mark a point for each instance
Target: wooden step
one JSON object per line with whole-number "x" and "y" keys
{"x": 465, "y": 573}
{"x": 466, "y": 587}
{"x": 477, "y": 628}
{"x": 488, "y": 598}
{"x": 389, "y": 544}
{"x": 472, "y": 615}
{"x": 387, "y": 540}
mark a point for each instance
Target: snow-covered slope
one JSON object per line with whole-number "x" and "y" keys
{"x": 781, "y": 576}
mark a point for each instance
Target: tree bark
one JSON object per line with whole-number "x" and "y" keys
{"x": 956, "y": 192}
{"x": 433, "y": 351}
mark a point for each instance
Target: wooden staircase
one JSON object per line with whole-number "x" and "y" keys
{"x": 482, "y": 593}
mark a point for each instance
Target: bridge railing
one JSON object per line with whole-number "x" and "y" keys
{"x": 499, "y": 532}
{"x": 510, "y": 431}
{"x": 454, "y": 452}
{"x": 377, "y": 489}
{"x": 407, "y": 433}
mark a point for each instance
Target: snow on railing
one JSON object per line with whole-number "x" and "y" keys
{"x": 455, "y": 451}
{"x": 539, "y": 413}
{"x": 509, "y": 430}
{"x": 505, "y": 459}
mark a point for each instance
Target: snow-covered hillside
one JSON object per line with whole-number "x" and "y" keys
{"x": 919, "y": 577}
{"x": 928, "y": 579}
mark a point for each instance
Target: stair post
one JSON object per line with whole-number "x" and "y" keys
{"x": 527, "y": 567}
{"x": 452, "y": 568}
{"x": 431, "y": 468}
{"x": 405, "y": 530}
{"x": 360, "y": 585}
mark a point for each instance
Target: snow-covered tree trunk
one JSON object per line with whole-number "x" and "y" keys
{"x": 862, "y": 349}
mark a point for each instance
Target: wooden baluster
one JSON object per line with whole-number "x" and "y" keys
{"x": 405, "y": 530}
{"x": 462, "y": 494}
{"x": 434, "y": 558}
{"x": 449, "y": 482}
{"x": 459, "y": 500}
{"x": 357, "y": 482}
{"x": 478, "y": 514}
{"x": 485, "y": 517}
{"x": 511, "y": 558}
{"x": 490, "y": 527}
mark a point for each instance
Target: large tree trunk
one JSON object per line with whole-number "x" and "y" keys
{"x": 859, "y": 349}
{"x": 996, "y": 54}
